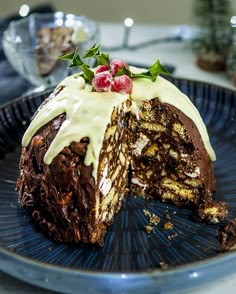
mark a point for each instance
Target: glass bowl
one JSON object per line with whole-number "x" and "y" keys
{"x": 33, "y": 44}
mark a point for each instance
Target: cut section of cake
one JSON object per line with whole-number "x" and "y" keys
{"x": 169, "y": 159}
{"x": 87, "y": 148}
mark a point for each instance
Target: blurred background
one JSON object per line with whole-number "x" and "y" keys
{"x": 194, "y": 38}
{"x": 149, "y": 11}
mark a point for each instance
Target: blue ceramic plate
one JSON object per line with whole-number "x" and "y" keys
{"x": 131, "y": 260}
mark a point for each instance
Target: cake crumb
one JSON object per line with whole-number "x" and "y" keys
{"x": 164, "y": 265}
{"x": 211, "y": 212}
{"x": 148, "y": 229}
{"x": 167, "y": 216}
{"x": 147, "y": 213}
{"x": 154, "y": 219}
{"x": 168, "y": 226}
{"x": 227, "y": 236}
{"x": 170, "y": 237}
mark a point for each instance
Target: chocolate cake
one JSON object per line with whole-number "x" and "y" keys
{"x": 85, "y": 150}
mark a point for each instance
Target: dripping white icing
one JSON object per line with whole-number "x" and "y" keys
{"x": 88, "y": 113}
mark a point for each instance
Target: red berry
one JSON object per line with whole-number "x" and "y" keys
{"x": 102, "y": 68}
{"x": 122, "y": 84}
{"x": 115, "y": 65}
{"x": 102, "y": 81}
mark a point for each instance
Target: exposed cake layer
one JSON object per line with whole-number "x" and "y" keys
{"x": 169, "y": 160}
{"x": 167, "y": 92}
{"x": 113, "y": 167}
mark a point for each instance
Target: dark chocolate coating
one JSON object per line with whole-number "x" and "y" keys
{"x": 61, "y": 197}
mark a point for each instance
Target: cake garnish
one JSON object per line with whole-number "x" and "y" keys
{"x": 115, "y": 75}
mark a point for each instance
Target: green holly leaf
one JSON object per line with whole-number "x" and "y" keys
{"x": 103, "y": 59}
{"x": 88, "y": 74}
{"x": 123, "y": 71}
{"x": 157, "y": 69}
{"x": 73, "y": 57}
{"x": 92, "y": 51}
{"x": 153, "y": 71}
{"x": 69, "y": 56}
{"x": 76, "y": 61}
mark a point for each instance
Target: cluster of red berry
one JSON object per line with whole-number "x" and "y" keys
{"x": 105, "y": 78}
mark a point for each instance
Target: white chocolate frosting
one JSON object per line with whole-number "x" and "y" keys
{"x": 88, "y": 113}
